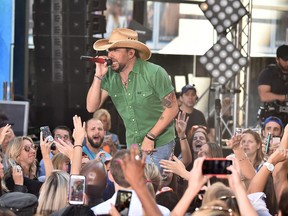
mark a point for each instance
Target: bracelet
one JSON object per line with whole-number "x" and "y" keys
{"x": 182, "y": 138}
{"x": 243, "y": 158}
{"x": 77, "y": 146}
{"x": 150, "y": 138}
{"x": 98, "y": 77}
{"x": 151, "y": 135}
{"x": 286, "y": 97}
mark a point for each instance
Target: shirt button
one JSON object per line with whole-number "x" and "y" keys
{"x": 143, "y": 95}
{"x": 129, "y": 94}
{"x": 133, "y": 120}
{"x": 136, "y": 131}
{"x": 130, "y": 107}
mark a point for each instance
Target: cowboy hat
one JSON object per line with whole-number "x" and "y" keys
{"x": 126, "y": 38}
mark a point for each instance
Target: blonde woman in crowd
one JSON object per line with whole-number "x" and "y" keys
{"x": 61, "y": 162}
{"x": 54, "y": 194}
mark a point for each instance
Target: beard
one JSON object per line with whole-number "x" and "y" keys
{"x": 120, "y": 68}
{"x": 95, "y": 144}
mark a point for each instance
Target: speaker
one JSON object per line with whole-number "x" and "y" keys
{"x": 77, "y": 95}
{"x": 51, "y": 94}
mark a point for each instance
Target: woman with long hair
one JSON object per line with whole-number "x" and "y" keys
{"x": 54, "y": 193}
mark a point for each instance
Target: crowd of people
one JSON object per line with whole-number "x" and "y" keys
{"x": 160, "y": 171}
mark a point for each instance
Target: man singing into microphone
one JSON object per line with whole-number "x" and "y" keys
{"x": 141, "y": 92}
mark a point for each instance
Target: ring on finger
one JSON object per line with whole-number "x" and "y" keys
{"x": 137, "y": 157}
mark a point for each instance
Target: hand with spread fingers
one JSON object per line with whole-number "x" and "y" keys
{"x": 79, "y": 131}
{"x": 175, "y": 166}
{"x": 133, "y": 166}
{"x": 181, "y": 124}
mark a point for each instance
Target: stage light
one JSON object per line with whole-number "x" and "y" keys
{"x": 223, "y": 60}
{"x": 223, "y": 13}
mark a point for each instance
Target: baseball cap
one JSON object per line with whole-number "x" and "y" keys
{"x": 188, "y": 87}
{"x": 282, "y": 52}
{"x": 274, "y": 119}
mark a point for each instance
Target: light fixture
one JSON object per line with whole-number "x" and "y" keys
{"x": 223, "y": 60}
{"x": 223, "y": 13}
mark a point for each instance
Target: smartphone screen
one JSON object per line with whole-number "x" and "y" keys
{"x": 123, "y": 202}
{"x": 47, "y": 133}
{"x": 76, "y": 189}
{"x": 216, "y": 166}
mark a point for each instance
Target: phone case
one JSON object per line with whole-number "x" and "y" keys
{"x": 123, "y": 202}
{"x": 216, "y": 166}
{"x": 76, "y": 189}
{"x": 47, "y": 133}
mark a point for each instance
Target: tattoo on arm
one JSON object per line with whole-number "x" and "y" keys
{"x": 167, "y": 100}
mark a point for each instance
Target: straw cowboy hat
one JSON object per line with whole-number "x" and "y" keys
{"x": 126, "y": 38}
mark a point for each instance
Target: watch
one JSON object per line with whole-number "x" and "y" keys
{"x": 269, "y": 166}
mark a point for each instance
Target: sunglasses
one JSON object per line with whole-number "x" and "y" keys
{"x": 28, "y": 148}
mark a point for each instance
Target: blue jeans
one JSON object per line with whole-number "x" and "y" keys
{"x": 163, "y": 152}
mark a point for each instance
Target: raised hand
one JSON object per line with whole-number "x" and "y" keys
{"x": 79, "y": 131}
{"x": 181, "y": 124}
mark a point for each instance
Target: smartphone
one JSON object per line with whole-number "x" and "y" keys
{"x": 267, "y": 144}
{"x": 238, "y": 131}
{"x": 76, "y": 189}
{"x": 123, "y": 202}
{"x": 47, "y": 133}
{"x": 13, "y": 164}
{"x": 216, "y": 166}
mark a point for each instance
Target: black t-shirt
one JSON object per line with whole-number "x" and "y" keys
{"x": 273, "y": 76}
{"x": 195, "y": 118}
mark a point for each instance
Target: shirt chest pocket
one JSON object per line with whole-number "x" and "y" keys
{"x": 144, "y": 97}
{"x": 117, "y": 98}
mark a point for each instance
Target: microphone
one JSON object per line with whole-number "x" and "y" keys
{"x": 98, "y": 60}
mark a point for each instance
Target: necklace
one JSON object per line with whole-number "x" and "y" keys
{"x": 125, "y": 82}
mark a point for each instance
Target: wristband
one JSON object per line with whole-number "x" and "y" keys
{"x": 182, "y": 138}
{"x": 98, "y": 77}
{"x": 151, "y": 135}
{"x": 286, "y": 97}
{"x": 150, "y": 138}
{"x": 77, "y": 146}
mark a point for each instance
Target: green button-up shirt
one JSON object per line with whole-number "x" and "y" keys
{"x": 140, "y": 105}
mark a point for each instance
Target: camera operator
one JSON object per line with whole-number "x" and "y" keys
{"x": 273, "y": 86}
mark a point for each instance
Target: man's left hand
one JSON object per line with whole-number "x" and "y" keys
{"x": 147, "y": 145}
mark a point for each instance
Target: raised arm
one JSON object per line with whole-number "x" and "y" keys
{"x": 281, "y": 169}
{"x": 170, "y": 111}
{"x": 133, "y": 170}
{"x": 181, "y": 124}
{"x": 195, "y": 181}
{"x": 78, "y": 135}
{"x": 246, "y": 167}
{"x": 45, "y": 147}
{"x": 260, "y": 179}
{"x": 237, "y": 187}
{"x": 96, "y": 96}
